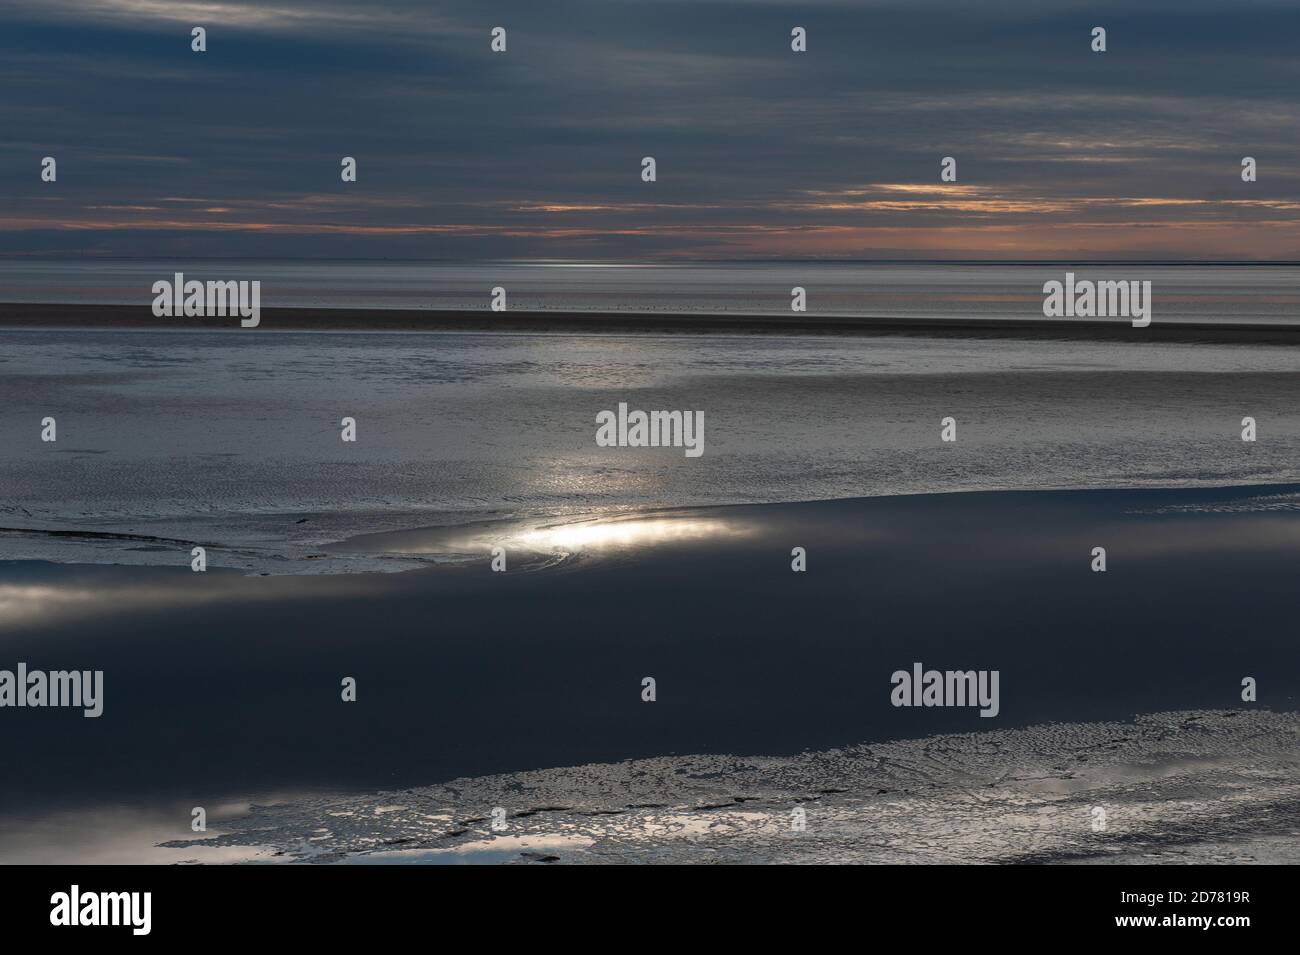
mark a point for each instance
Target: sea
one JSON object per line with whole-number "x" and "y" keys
{"x": 233, "y": 438}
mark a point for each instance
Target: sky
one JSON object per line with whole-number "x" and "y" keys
{"x": 761, "y": 153}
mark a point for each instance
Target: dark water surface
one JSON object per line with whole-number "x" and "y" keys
{"x": 222, "y": 688}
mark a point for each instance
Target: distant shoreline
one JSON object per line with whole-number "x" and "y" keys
{"x": 83, "y": 316}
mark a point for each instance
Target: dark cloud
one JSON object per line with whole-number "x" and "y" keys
{"x": 761, "y": 152}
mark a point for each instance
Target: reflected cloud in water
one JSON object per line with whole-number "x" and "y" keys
{"x": 123, "y": 835}
{"x": 105, "y": 592}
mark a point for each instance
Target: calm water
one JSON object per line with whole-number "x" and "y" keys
{"x": 221, "y": 688}
{"x": 232, "y": 439}
{"x": 1250, "y": 294}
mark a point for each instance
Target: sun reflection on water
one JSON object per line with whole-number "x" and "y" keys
{"x": 630, "y": 534}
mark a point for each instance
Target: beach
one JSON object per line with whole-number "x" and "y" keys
{"x": 1219, "y": 787}
{"x": 825, "y": 540}
{"x": 223, "y": 689}
{"x": 648, "y": 433}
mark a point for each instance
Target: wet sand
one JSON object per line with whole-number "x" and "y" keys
{"x": 1217, "y": 787}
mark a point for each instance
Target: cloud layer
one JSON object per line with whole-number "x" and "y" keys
{"x": 761, "y": 152}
